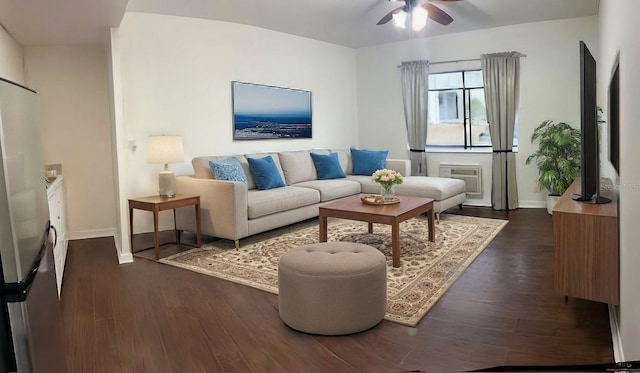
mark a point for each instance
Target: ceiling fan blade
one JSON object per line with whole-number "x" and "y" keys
{"x": 389, "y": 16}
{"x": 437, "y": 14}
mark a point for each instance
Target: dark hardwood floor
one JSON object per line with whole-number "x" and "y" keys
{"x": 150, "y": 317}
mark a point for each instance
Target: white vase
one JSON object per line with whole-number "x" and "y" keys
{"x": 551, "y": 203}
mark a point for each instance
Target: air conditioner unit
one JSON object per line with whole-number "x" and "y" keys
{"x": 471, "y": 174}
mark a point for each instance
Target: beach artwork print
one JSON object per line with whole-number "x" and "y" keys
{"x": 267, "y": 112}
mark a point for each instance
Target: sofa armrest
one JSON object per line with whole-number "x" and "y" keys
{"x": 403, "y": 166}
{"x": 223, "y": 207}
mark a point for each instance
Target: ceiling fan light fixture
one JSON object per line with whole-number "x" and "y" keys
{"x": 418, "y": 18}
{"x": 400, "y": 18}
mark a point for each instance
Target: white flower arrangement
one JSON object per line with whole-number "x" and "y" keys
{"x": 386, "y": 177}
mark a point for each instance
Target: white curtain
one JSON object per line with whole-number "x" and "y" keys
{"x": 501, "y": 74}
{"x": 415, "y": 91}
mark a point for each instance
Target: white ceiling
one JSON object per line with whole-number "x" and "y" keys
{"x": 47, "y": 22}
{"x": 350, "y": 23}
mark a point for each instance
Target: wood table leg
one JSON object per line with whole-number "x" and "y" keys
{"x": 395, "y": 243}
{"x": 131, "y": 228}
{"x": 370, "y": 226}
{"x": 198, "y": 233}
{"x": 432, "y": 229}
{"x": 323, "y": 228}
{"x": 176, "y": 239}
{"x": 156, "y": 234}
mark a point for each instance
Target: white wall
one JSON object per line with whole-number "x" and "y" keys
{"x": 549, "y": 86}
{"x": 72, "y": 84}
{"x": 123, "y": 244}
{"x": 618, "y": 32}
{"x": 11, "y": 58}
{"x": 610, "y": 35}
{"x": 177, "y": 74}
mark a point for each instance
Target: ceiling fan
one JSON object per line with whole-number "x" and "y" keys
{"x": 417, "y": 11}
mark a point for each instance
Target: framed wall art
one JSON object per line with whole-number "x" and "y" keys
{"x": 267, "y": 112}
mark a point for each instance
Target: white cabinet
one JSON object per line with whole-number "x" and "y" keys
{"x": 57, "y": 215}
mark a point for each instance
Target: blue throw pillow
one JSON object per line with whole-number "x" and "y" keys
{"x": 228, "y": 169}
{"x": 366, "y": 162}
{"x": 327, "y": 166}
{"x": 265, "y": 173}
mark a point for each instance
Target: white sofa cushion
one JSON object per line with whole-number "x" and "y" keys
{"x": 344, "y": 156}
{"x": 366, "y": 185}
{"x": 297, "y": 166}
{"x": 438, "y": 188}
{"x": 271, "y": 201}
{"x": 332, "y": 189}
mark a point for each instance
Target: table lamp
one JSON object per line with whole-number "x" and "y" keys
{"x": 165, "y": 150}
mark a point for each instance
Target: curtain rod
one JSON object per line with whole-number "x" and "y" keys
{"x": 457, "y": 61}
{"x": 454, "y": 61}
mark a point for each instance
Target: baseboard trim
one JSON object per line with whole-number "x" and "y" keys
{"x": 124, "y": 258}
{"x": 532, "y": 204}
{"x": 616, "y": 337}
{"x": 476, "y": 204}
{"x": 97, "y": 233}
{"x": 521, "y": 204}
{"x": 94, "y": 233}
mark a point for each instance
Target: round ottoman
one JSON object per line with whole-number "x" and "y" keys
{"x": 332, "y": 288}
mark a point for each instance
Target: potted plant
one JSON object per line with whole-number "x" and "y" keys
{"x": 557, "y": 158}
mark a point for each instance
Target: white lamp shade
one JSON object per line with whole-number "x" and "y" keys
{"x": 165, "y": 149}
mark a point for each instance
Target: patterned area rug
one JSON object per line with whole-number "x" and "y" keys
{"x": 427, "y": 268}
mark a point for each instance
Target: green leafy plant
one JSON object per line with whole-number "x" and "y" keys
{"x": 557, "y": 157}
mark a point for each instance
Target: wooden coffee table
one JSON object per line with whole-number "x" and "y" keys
{"x": 352, "y": 208}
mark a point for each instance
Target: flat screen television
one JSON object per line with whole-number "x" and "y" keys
{"x": 614, "y": 117}
{"x": 590, "y": 156}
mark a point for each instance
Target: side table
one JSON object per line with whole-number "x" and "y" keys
{"x": 156, "y": 204}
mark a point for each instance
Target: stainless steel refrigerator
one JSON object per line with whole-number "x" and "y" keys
{"x": 31, "y": 332}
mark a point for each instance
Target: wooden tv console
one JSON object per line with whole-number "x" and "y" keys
{"x": 585, "y": 239}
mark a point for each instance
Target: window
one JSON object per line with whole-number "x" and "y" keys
{"x": 457, "y": 112}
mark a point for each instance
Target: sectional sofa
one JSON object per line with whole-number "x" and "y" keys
{"x": 237, "y": 209}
